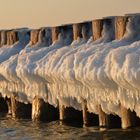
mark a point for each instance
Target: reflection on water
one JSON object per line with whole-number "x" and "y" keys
{"x": 27, "y": 130}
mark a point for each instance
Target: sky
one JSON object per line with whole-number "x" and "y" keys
{"x": 42, "y": 13}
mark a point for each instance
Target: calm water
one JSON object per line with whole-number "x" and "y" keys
{"x": 27, "y": 130}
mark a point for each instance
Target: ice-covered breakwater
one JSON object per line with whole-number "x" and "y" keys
{"x": 91, "y": 66}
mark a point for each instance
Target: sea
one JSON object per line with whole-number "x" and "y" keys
{"x": 11, "y": 129}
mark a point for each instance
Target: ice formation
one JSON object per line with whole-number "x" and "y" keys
{"x": 103, "y": 72}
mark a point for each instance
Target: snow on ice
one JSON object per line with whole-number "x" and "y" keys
{"x": 103, "y": 72}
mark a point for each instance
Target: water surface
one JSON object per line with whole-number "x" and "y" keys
{"x": 27, "y": 130}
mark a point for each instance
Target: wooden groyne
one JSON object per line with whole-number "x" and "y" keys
{"x": 40, "y": 110}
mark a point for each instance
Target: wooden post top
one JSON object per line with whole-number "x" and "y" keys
{"x": 120, "y": 26}
{"x": 34, "y": 36}
{"x": 97, "y": 27}
{"x": 82, "y": 30}
{"x": 12, "y": 37}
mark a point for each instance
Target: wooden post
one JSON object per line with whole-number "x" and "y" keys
{"x": 97, "y": 27}
{"x": 85, "y": 113}
{"x": 3, "y": 38}
{"x": 55, "y": 33}
{"x": 120, "y": 29}
{"x": 126, "y": 119}
{"x": 34, "y": 37}
{"x": 77, "y": 31}
{"x": 41, "y": 35}
{"x": 19, "y": 110}
{"x": 120, "y": 26}
{"x": 62, "y": 115}
{"x": 12, "y": 37}
{"x": 82, "y": 30}
{"x": 39, "y": 110}
{"x": 103, "y": 118}
{"x": 14, "y": 107}
{"x": 0, "y": 38}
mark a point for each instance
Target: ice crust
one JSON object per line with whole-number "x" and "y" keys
{"x": 103, "y": 72}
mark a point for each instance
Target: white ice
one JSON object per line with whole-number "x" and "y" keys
{"x": 103, "y": 72}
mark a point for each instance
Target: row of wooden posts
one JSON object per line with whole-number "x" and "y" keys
{"x": 42, "y": 110}
{"x": 95, "y": 28}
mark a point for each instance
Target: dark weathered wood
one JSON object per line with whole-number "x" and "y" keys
{"x": 12, "y": 37}
{"x": 55, "y": 33}
{"x": 41, "y": 35}
{"x": 0, "y": 39}
{"x": 85, "y": 113}
{"x": 126, "y": 119}
{"x": 77, "y": 31}
{"x": 3, "y": 38}
{"x": 103, "y": 118}
{"x": 97, "y": 27}
{"x": 34, "y": 36}
{"x": 62, "y": 115}
{"x": 120, "y": 26}
{"x": 120, "y": 29}
{"x": 39, "y": 110}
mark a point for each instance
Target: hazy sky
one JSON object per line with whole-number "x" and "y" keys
{"x": 37, "y": 13}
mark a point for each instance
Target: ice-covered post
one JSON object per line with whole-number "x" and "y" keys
{"x": 19, "y": 110}
{"x": 85, "y": 113}
{"x": 86, "y": 30}
{"x": 55, "y": 33}
{"x": 120, "y": 28}
{"x": 8, "y": 38}
{"x": 41, "y": 35}
{"x": 12, "y": 37}
{"x": 77, "y": 31}
{"x": 14, "y": 106}
{"x": 82, "y": 30}
{"x": 97, "y": 27}
{"x": 103, "y": 118}
{"x": 34, "y": 36}
{"x": 66, "y": 34}
{"x": 0, "y": 38}
{"x": 62, "y": 114}
{"x": 126, "y": 119}
{"x": 3, "y": 37}
{"x": 39, "y": 110}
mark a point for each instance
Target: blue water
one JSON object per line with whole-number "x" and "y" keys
{"x": 27, "y": 130}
